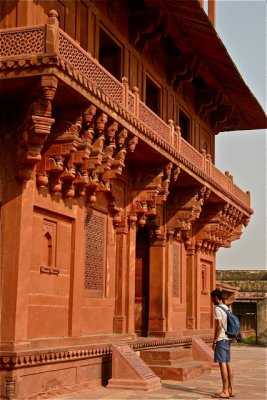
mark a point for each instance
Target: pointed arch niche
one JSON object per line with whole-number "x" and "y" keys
{"x": 48, "y": 244}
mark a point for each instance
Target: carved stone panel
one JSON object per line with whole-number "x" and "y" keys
{"x": 95, "y": 244}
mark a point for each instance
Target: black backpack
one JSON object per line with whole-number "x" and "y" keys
{"x": 233, "y": 325}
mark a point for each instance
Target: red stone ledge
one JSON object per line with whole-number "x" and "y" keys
{"x": 22, "y": 359}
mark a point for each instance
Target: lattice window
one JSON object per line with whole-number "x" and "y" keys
{"x": 95, "y": 246}
{"x": 176, "y": 275}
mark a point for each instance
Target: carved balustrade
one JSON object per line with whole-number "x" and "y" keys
{"x": 46, "y": 46}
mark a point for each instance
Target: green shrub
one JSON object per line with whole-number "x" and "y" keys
{"x": 249, "y": 339}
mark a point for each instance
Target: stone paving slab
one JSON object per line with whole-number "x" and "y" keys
{"x": 249, "y": 362}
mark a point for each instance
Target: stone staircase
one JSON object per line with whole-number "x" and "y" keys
{"x": 175, "y": 363}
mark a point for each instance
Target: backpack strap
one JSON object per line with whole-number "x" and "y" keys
{"x": 226, "y": 312}
{"x": 224, "y": 309}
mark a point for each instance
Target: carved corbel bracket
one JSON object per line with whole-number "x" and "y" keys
{"x": 147, "y": 27}
{"x": 186, "y": 204}
{"x": 206, "y": 101}
{"x": 85, "y": 151}
{"x": 184, "y": 208}
{"x": 166, "y": 179}
{"x": 58, "y": 167}
{"x": 33, "y": 133}
{"x": 175, "y": 173}
{"x": 190, "y": 246}
{"x": 149, "y": 188}
{"x": 218, "y": 227}
{"x": 182, "y": 69}
{"x": 224, "y": 118}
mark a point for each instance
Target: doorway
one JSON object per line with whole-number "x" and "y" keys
{"x": 142, "y": 281}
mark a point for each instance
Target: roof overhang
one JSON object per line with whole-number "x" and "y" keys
{"x": 193, "y": 32}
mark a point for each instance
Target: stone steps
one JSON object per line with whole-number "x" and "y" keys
{"x": 175, "y": 363}
{"x": 182, "y": 370}
{"x": 166, "y": 356}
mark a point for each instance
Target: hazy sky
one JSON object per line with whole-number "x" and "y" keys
{"x": 241, "y": 24}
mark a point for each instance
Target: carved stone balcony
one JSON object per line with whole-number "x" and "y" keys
{"x": 47, "y": 50}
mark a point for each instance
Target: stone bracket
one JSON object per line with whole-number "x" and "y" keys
{"x": 147, "y": 28}
{"x": 85, "y": 152}
{"x": 218, "y": 227}
{"x": 33, "y": 133}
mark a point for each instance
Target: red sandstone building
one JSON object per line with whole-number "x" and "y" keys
{"x": 112, "y": 208}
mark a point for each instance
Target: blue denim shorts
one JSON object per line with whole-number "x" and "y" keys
{"x": 222, "y": 351}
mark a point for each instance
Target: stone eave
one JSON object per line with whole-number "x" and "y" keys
{"x": 222, "y": 71}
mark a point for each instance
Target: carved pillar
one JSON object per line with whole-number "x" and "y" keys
{"x": 119, "y": 321}
{"x": 77, "y": 274}
{"x": 169, "y": 278}
{"x": 157, "y": 279}
{"x": 191, "y": 286}
{"x": 132, "y": 218}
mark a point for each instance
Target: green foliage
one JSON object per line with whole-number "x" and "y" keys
{"x": 249, "y": 339}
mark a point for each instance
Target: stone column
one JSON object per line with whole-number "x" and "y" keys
{"x": 169, "y": 278}
{"x": 190, "y": 286}
{"x": 198, "y": 285}
{"x": 119, "y": 321}
{"x": 131, "y": 255}
{"x": 157, "y": 287}
{"x": 77, "y": 274}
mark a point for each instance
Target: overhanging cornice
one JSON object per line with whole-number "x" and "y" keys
{"x": 193, "y": 32}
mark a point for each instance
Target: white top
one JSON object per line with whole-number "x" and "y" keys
{"x": 219, "y": 314}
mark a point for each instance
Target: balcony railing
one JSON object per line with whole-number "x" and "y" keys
{"x": 45, "y": 42}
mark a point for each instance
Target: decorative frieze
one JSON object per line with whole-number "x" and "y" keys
{"x": 30, "y": 358}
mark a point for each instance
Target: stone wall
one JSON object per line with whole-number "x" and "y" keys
{"x": 252, "y": 286}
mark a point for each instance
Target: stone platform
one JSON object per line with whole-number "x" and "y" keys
{"x": 249, "y": 364}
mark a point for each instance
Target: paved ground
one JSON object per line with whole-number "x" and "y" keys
{"x": 249, "y": 362}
